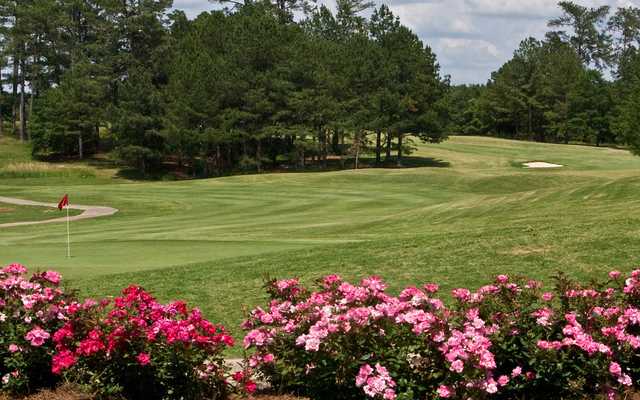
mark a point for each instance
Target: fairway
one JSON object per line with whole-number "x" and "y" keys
{"x": 472, "y": 212}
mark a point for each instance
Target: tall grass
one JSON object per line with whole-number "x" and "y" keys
{"x": 32, "y": 169}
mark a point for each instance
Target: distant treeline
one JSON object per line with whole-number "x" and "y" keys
{"x": 248, "y": 87}
{"x": 558, "y": 89}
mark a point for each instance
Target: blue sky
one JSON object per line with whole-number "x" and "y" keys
{"x": 471, "y": 38}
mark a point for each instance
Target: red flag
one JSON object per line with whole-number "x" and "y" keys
{"x": 64, "y": 202}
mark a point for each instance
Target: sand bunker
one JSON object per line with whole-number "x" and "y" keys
{"x": 541, "y": 164}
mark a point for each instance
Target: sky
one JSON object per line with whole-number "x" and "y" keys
{"x": 471, "y": 38}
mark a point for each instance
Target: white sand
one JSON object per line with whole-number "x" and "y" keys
{"x": 541, "y": 164}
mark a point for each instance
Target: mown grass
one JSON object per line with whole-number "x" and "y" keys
{"x": 14, "y": 213}
{"x": 474, "y": 214}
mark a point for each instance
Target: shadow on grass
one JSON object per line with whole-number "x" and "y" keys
{"x": 333, "y": 164}
{"x": 169, "y": 172}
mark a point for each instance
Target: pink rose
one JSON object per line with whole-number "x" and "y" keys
{"x": 37, "y": 337}
{"x": 143, "y": 359}
{"x": 444, "y": 392}
{"x": 615, "y": 369}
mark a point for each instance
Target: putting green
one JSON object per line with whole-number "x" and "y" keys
{"x": 471, "y": 211}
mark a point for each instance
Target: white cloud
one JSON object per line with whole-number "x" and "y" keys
{"x": 194, "y": 7}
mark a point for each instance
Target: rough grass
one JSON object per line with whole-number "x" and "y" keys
{"x": 43, "y": 170}
{"x": 471, "y": 213}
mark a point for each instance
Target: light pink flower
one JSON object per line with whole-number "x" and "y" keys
{"x": 37, "y": 336}
{"x": 444, "y": 392}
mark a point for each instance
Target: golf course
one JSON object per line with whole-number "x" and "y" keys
{"x": 457, "y": 214}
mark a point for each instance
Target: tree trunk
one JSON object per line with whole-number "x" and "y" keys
{"x": 335, "y": 140}
{"x": 357, "y": 144}
{"x": 259, "y": 155}
{"x": 81, "y": 147}
{"x": 1, "y": 101}
{"x": 315, "y": 148}
{"x": 400, "y": 137}
{"x": 378, "y": 145}
{"x": 388, "y": 155}
{"x": 1, "y": 121}
{"x": 530, "y": 122}
{"x": 322, "y": 136}
{"x": 14, "y": 105}
{"x": 218, "y": 160}
{"x": 97, "y": 133}
{"x": 23, "y": 117}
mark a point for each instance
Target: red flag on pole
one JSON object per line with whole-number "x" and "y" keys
{"x": 64, "y": 202}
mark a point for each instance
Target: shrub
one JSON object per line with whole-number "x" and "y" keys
{"x": 30, "y": 311}
{"x": 508, "y": 339}
{"x": 138, "y": 348}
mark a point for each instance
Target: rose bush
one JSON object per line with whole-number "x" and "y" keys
{"x": 509, "y": 339}
{"x": 31, "y": 309}
{"x": 130, "y": 347}
{"x": 138, "y": 348}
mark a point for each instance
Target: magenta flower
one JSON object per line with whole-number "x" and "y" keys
{"x": 143, "y": 359}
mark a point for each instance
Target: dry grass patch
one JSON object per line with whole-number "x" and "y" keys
{"x": 527, "y": 250}
{"x": 35, "y": 169}
{"x": 62, "y": 393}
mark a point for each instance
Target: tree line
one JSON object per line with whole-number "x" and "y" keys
{"x": 581, "y": 83}
{"x": 258, "y": 84}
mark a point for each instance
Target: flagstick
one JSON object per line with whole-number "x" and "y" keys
{"x": 68, "y": 235}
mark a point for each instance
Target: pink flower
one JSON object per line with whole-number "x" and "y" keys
{"x": 625, "y": 380}
{"x": 502, "y": 279}
{"x": 444, "y": 392}
{"x": 503, "y": 380}
{"x": 37, "y": 336}
{"x": 491, "y": 386}
{"x": 363, "y": 374}
{"x": 547, "y": 296}
{"x": 614, "y": 274}
{"x": 143, "y": 359}
{"x": 14, "y": 348}
{"x": 457, "y": 366}
{"x": 461, "y": 294}
{"x": 52, "y": 276}
{"x": 431, "y": 287}
{"x": 14, "y": 269}
{"x": 615, "y": 369}
{"x": 517, "y": 371}
{"x": 331, "y": 280}
{"x": 376, "y": 382}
